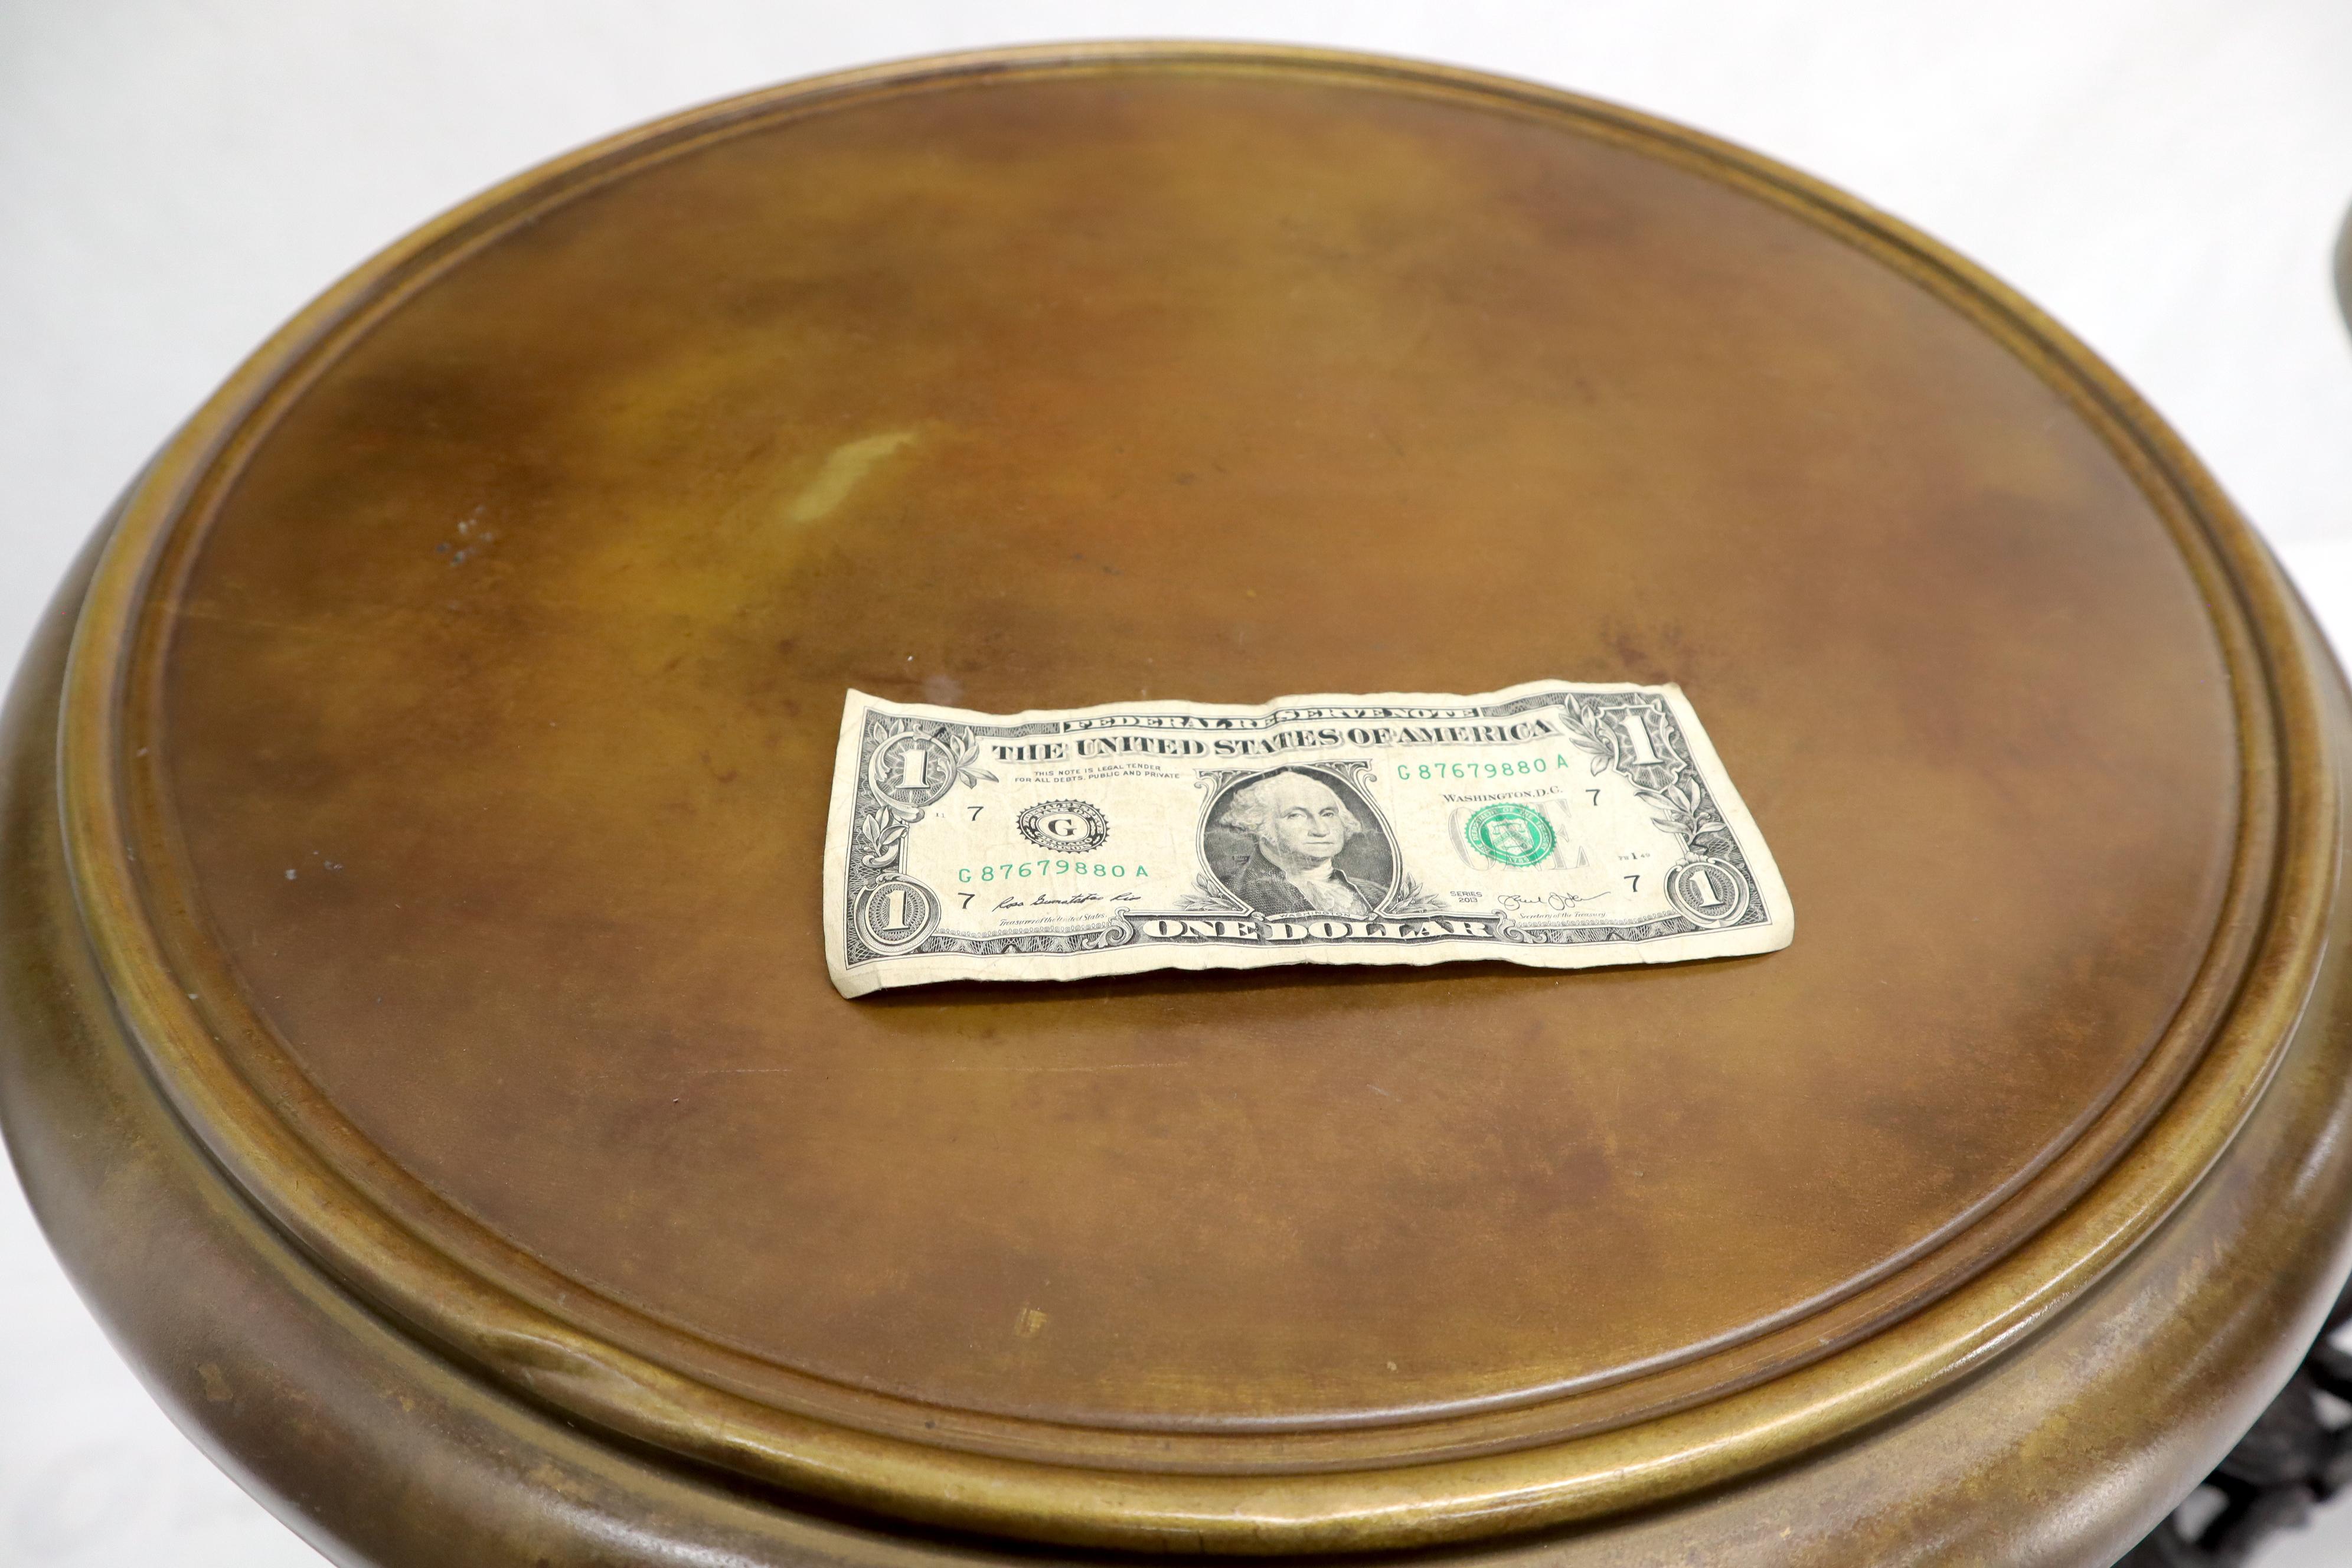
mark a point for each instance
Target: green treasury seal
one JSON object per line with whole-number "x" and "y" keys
{"x": 1513, "y": 833}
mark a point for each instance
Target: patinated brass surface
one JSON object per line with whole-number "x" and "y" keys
{"x": 444, "y": 755}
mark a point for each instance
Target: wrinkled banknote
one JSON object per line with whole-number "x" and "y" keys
{"x": 1551, "y": 824}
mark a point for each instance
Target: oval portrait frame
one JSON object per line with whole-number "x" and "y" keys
{"x": 1353, "y": 798}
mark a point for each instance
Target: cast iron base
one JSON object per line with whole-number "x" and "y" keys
{"x": 2292, "y": 1459}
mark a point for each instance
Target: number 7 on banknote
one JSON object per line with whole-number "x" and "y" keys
{"x": 1554, "y": 825}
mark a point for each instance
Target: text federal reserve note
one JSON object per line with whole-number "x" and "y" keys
{"x": 1551, "y": 824}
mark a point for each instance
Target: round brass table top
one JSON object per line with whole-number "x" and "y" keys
{"x": 449, "y": 729}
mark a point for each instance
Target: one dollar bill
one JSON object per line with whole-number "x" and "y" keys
{"x": 1556, "y": 824}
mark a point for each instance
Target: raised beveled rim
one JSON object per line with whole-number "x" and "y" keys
{"x": 2245, "y": 1000}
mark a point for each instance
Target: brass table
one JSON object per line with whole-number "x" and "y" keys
{"x": 414, "y": 1032}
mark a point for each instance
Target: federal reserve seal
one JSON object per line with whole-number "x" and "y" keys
{"x": 1065, "y": 827}
{"x": 1512, "y": 833}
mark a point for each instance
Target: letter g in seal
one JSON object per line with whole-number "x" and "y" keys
{"x": 1065, "y": 827}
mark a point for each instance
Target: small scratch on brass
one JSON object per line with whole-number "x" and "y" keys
{"x": 1028, "y": 1324}
{"x": 844, "y": 467}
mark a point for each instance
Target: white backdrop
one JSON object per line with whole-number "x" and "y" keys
{"x": 2163, "y": 175}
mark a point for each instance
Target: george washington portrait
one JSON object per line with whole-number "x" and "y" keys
{"x": 1300, "y": 841}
